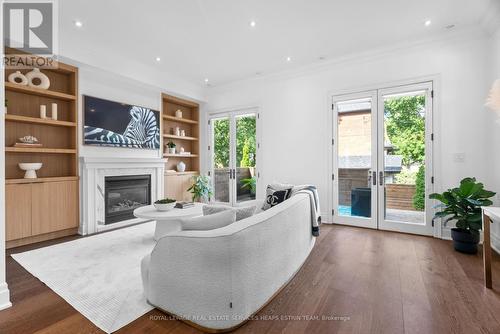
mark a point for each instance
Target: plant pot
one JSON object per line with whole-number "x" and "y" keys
{"x": 171, "y": 150}
{"x": 464, "y": 241}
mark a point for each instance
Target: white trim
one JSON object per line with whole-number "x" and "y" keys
{"x": 4, "y": 290}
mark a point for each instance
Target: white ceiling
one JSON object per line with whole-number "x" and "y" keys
{"x": 212, "y": 39}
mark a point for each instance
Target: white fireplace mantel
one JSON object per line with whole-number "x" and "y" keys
{"x": 95, "y": 169}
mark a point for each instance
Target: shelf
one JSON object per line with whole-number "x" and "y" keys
{"x": 180, "y": 137}
{"x": 34, "y": 120}
{"x": 42, "y": 180}
{"x": 38, "y": 92}
{"x": 167, "y": 155}
{"x": 182, "y": 173}
{"x": 181, "y": 120}
{"x": 40, "y": 150}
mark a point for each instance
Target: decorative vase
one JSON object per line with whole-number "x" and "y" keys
{"x": 183, "y": 133}
{"x": 464, "y": 241}
{"x": 177, "y": 131}
{"x": 182, "y": 150}
{"x": 178, "y": 113}
{"x": 54, "y": 111}
{"x": 181, "y": 167}
{"x": 18, "y": 78}
{"x": 30, "y": 169}
{"x": 43, "y": 111}
{"x": 36, "y": 74}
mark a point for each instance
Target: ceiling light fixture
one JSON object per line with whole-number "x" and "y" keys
{"x": 158, "y": 59}
{"x": 206, "y": 81}
{"x": 428, "y": 23}
{"x": 289, "y": 59}
{"x": 253, "y": 24}
{"x": 78, "y": 24}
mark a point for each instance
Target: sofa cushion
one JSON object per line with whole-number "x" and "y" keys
{"x": 241, "y": 212}
{"x": 275, "y": 196}
{"x": 211, "y": 222}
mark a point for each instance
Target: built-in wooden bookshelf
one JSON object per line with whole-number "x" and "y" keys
{"x": 176, "y": 183}
{"x": 49, "y": 204}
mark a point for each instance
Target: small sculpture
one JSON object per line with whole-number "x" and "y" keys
{"x": 18, "y": 78}
{"x": 36, "y": 74}
{"x": 28, "y": 140}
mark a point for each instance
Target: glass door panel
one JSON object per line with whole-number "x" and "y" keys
{"x": 405, "y": 157}
{"x": 221, "y": 159}
{"x": 355, "y": 160}
{"x": 246, "y": 144}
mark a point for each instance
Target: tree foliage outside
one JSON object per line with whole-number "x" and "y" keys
{"x": 419, "y": 196}
{"x": 405, "y": 124}
{"x": 245, "y": 142}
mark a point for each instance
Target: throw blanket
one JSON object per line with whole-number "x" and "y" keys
{"x": 315, "y": 210}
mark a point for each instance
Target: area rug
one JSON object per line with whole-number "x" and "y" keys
{"x": 99, "y": 275}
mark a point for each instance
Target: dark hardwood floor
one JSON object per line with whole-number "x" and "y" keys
{"x": 377, "y": 282}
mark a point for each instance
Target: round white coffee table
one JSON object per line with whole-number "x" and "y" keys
{"x": 167, "y": 221}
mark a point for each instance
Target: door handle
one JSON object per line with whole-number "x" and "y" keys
{"x": 374, "y": 178}
{"x": 381, "y": 178}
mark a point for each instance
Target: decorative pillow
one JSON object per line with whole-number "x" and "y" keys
{"x": 241, "y": 212}
{"x": 210, "y": 222}
{"x": 275, "y": 197}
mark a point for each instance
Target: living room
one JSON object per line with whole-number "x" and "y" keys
{"x": 250, "y": 166}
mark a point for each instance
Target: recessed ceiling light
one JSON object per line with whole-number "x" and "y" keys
{"x": 158, "y": 59}
{"x": 428, "y": 23}
{"x": 206, "y": 81}
{"x": 253, "y": 23}
{"x": 288, "y": 58}
{"x": 78, "y": 24}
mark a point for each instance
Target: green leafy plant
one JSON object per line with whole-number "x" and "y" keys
{"x": 250, "y": 183}
{"x": 463, "y": 204}
{"x": 171, "y": 144}
{"x": 419, "y": 196}
{"x": 201, "y": 189}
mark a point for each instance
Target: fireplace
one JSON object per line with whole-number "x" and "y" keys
{"x": 123, "y": 194}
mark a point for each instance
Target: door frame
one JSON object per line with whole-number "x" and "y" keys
{"x": 232, "y": 113}
{"x": 435, "y": 80}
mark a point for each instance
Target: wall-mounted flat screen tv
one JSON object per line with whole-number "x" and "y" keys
{"x": 109, "y": 123}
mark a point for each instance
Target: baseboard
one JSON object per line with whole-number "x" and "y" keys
{"x": 4, "y": 296}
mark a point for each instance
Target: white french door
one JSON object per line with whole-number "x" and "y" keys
{"x": 382, "y": 158}
{"x": 233, "y": 156}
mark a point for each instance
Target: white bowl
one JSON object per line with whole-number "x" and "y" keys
{"x": 164, "y": 207}
{"x": 30, "y": 168}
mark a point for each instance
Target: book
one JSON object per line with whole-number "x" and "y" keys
{"x": 27, "y": 145}
{"x": 184, "y": 205}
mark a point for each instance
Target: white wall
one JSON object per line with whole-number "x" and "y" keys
{"x": 493, "y": 140}
{"x": 295, "y": 108}
{"x": 110, "y": 86}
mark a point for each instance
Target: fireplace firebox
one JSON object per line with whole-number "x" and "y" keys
{"x": 124, "y": 194}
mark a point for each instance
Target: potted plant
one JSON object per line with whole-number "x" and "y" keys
{"x": 463, "y": 205}
{"x": 249, "y": 183}
{"x": 201, "y": 188}
{"x": 171, "y": 147}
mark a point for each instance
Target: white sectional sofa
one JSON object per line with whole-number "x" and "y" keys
{"x": 217, "y": 279}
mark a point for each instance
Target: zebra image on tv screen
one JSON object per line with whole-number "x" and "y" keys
{"x": 109, "y": 123}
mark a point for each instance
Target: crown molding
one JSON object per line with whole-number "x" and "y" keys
{"x": 464, "y": 34}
